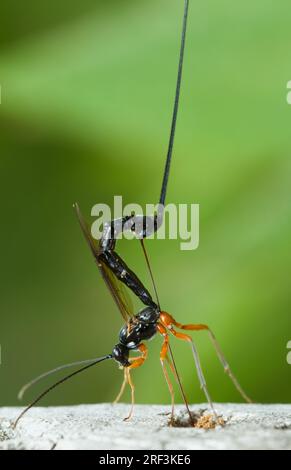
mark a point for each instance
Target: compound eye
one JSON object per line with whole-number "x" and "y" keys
{"x": 120, "y": 354}
{"x": 116, "y": 353}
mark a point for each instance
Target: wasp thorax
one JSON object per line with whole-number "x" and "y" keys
{"x": 148, "y": 315}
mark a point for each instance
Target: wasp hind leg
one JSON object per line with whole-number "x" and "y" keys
{"x": 169, "y": 322}
{"x": 163, "y": 357}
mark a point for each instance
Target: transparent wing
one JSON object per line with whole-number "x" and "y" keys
{"x": 118, "y": 291}
{"x": 116, "y": 288}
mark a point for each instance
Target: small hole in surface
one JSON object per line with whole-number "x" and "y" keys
{"x": 201, "y": 419}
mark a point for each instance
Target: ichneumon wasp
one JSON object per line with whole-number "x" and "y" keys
{"x": 151, "y": 320}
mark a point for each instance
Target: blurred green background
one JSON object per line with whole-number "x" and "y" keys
{"x": 87, "y": 95}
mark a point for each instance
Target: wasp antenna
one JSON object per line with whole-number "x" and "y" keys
{"x": 50, "y": 372}
{"x": 59, "y": 382}
{"x": 176, "y": 106}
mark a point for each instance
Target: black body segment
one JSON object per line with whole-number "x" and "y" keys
{"x": 141, "y": 327}
{"x": 124, "y": 274}
{"x": 142, "y": 227}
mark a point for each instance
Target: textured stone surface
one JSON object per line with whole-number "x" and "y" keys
{"x": 102, "y": 427}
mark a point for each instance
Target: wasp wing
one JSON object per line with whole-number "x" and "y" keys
{"x": 118, "y": 291}
{"x": 116, "y": 288}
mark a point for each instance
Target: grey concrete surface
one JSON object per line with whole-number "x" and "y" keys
{"x": 102, "y": 427}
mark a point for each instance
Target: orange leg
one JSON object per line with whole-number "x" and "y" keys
{"x": 138, "y": 361}
{"x": 163, "y": 357}
{"x": 172, "y": 368}
{"x": 169, "y": 321}
{"x": 129, "y": 381}
{"x": 122, "y": 388}
{"x": 134, "y": 363}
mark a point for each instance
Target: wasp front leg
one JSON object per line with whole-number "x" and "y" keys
{"x": 134, "y": 363}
